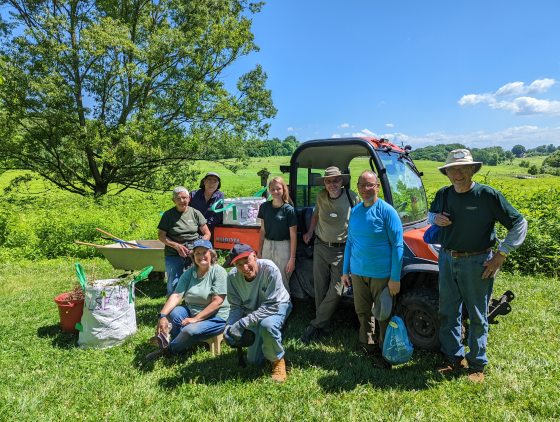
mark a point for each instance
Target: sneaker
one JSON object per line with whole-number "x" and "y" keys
{"x": 450, "y": 367}
{"x": 476, "y": 376}
{"x": 310, "y": 334}
{"x": 163, "y": 340}
{"x": 279, "y": 370}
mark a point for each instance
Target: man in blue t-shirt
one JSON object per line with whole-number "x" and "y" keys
{"x": 467, "y": 213}
{"x": 372, "y": 258}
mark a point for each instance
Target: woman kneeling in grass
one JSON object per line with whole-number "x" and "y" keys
{"x": 204, "y": 287}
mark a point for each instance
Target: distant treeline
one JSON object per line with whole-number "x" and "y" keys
{"x": 491, "y": 156}
{"x": 272, "y": 147}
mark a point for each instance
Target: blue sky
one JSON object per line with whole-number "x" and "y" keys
{"x": 419, "y": 72}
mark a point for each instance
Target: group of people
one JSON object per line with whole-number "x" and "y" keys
{"x": 357, "y": 244}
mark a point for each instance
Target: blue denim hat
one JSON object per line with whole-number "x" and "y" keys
{"x": 383, "y": 311}
{"x": 203, "y": 243}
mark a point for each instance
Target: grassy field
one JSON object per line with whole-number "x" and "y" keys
{"x": 44, "y": 376}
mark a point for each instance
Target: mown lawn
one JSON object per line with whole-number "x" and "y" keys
{"x": 44, "y": 376}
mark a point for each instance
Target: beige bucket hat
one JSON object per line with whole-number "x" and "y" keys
{"x": 460, "y": 157}
{"x": 335, "y": 172}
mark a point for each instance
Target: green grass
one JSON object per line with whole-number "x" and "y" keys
{"x": 44, "y": 376}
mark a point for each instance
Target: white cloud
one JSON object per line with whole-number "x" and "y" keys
{"x": 335, "y": 135}
{"x": 365, "y": 132}
{"x": 290, "y": 129}
{"x": 389, "y": 125}
{"x": 344, "y": 125}
{"x": 514, "y": 97}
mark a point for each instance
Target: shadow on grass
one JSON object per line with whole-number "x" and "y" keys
{"x": 147, "y": 314}
{"x": 59, "y": 339}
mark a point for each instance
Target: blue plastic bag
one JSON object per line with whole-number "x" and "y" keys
{"x": 397, "y": 348}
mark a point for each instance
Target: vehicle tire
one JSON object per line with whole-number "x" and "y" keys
{"x": 419, "y": 311}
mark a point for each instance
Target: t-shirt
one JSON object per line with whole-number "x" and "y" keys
{"x": 199, "y": 292}
{"x": 277, "y": 221}
{"x": 375, "y": 242}
{"x": 181, "y": 227}
{"x": 333, "y": 214}
{"x": 473, "y": 215}
{"x": 259, "y": 298}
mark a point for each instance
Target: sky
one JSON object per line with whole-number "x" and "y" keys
{"x": 478, "y": 72}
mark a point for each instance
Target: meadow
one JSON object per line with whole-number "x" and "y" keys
{"x": 45, "y": 376}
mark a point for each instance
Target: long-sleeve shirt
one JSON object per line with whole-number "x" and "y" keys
{"x": 375, "y": 242}
{"x": 257, "y": 299}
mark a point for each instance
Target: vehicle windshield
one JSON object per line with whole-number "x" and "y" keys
{"x": 409, "y": 196}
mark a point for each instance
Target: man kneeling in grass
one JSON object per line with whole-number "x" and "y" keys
{"x": 258, "y": 302}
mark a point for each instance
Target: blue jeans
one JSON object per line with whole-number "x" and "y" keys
{"x": 460, "y": 281}
{"x": 184, "y": 337}
{"x": 174, "y": 267}
{"x": 268, "y": 337}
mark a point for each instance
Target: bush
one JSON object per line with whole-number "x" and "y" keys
{"x": 533, "y": 169}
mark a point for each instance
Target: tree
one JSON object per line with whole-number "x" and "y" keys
{"x": 518, "y": 151}
{"x": 100, "y": 96}
{"x": 533, "y": 169}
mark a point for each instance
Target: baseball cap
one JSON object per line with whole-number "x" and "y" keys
{"x": 203, "y": 243}
{"x": 239, "y": 250}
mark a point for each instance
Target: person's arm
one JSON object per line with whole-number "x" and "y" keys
{"x": 182, "y": 250}
{"x": 172, "y": 301}
{"x": 271, "y": 304}
{"x": 262, "y": 235}
{"x": 515, "y": 237}
{"x": 290, "y": 266}
{"x": 345, "y": 278}
{"x": 205, "y": 231}
{"x": 312, "y": 224}
{"x": 395, "y": 235}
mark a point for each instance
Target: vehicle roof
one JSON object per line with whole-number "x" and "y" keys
{"x": 322, "y": 153}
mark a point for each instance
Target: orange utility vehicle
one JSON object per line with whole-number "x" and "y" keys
{"x": 402, "y": 187}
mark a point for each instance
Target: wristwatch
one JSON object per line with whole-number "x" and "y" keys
{"x": 160, "y": 315}
{"x": 503, "y": 254}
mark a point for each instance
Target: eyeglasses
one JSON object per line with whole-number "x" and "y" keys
{"x": 367, "y": 185}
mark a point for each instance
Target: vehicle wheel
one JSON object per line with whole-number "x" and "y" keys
{"x": 419, "y": 311}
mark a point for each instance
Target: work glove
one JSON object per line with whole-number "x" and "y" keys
{"x": 234, "y": 332}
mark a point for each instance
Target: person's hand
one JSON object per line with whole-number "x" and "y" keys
{"x": 346, "y": 280}
{"x": 188, "y": 321}
{"x": 442, "y": 220}
{"x": 394, "y": 287}
{"x": 182, "y": 250}
{"x": 493, "y": 265}
{"x": 290, "y": 266}
{"x": 236, "y": 331}
{"x": 307, "y": 237}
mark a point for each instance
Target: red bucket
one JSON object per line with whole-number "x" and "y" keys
{"x": 70, "y": 311}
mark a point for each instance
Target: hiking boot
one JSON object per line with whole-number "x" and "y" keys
{"x": 476, "y": 376}
{"x": 310, "y": 334}
{"x": 279, "y": 370}
{"x": 150, "y": 357}
{"x": 450, "y": 367}
{"x": 370, "y": 350}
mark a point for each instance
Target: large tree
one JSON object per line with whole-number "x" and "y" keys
{"x": 101, "y": 96}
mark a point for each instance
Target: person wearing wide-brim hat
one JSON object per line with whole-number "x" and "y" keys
{"x": 469, "y": 259}
{"x": 329, "y": 224}
{"x": 207, "y": 195}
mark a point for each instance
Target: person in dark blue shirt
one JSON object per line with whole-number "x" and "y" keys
{"x": 209, "y": 193}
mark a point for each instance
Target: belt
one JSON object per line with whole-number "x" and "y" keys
{"x": 331, "y": 244}
{"x": 458, "y": 254}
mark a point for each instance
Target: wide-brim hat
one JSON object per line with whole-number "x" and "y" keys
{"x": 460, "y": 157}
{"x": 335, "y": 172}
{"x": 383, "y": 311}
{"x": 212, "y": 173}
{"x": 239, "y": 251}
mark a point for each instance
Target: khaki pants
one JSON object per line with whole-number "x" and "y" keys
{"x": 367, "y": 291}
{"x": 278, "y": 251}
{"x": 327, "y": 270}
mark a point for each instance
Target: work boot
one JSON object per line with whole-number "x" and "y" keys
{"x": 476, "y": 376}
{"x": 150, "y": 357}
{"x": 450, "y": 367}
{"x": 279, "y": 370}
{"x": 310, "y": 334}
